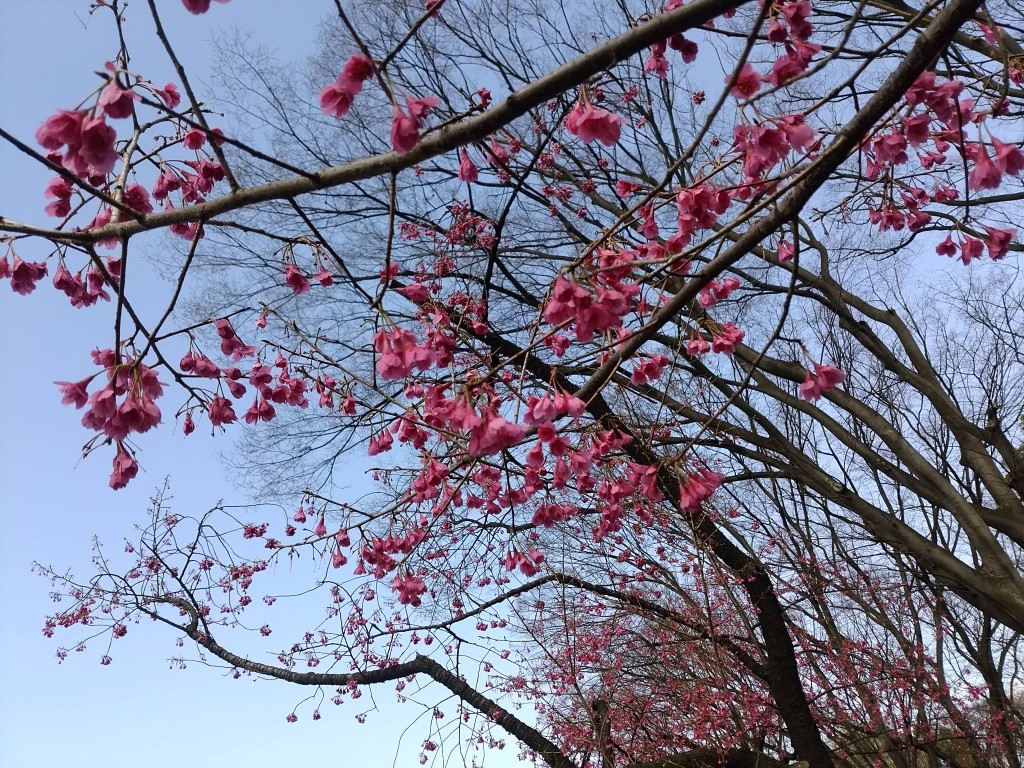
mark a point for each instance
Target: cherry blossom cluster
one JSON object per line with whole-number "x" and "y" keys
{"x": 125, "y": 405}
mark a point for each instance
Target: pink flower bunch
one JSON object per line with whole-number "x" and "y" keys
{"x": 656, "y": 63}
{"x": 572, "y": 302}
{"x": 169, "y": 95}
{"x": 221, "y": 412}
{"x": 336, "y": 99}
{"x": 697, "y": 488}
{"x": 497, "y": 156}
{"x": 230, "y": 344}
{"x": 528, "y": 563}
{"x": 467, "y": 170}
{"x": 198, "y": 6}
{"x": 380, "y": 443}
{"x": 409, "y": 590}
{"x": 795, "y": 15}
{"x": 89, "y": 142}
{"x": 764, "y": 146}
{"x": 282, "y": 389}
{"x": 698, "y": 208}
{"x": 726, "y": 339}
{"x": 717, "y": 291}
{"x": 748, "y": 83}
{"x": 117, "y": 102}
{"x": 86, "y": 293}
{"x": 125, "y": 468}
{"x": 23, "y": 274}
{"x": 686, "y": 48}
{"x": 400, "y": 354}
{"x": 988, "y": 174}
{"x": 295, "y": 280}
{"x": 59, "y": 190}
{"x": 588, "y": 123}
{"x": 823, "y": 378}
{"x": 195, "y": 185}
{"x": 199, "y": 365}
{"x": 648, "y": 370}
{"x": 542, "y": 410}
{"x": 405, "y": 128}
{"x": 493, "y": 435}
{"x": 550, "y": 515}
{"x": 996, "y": 240}
{"x": 939, "y": 99}
{"x": 793, "y": 63}
{"x": 168, "y": 181}
{"x": 377, "y": 554}
{"x": 136, "y": 413}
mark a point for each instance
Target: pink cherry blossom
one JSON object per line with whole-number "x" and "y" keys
{"x": 947, "y": 247}
{"x": 125, "y": 468}
{"x": 656, "y": 63}
{"x": 137, "y": 198}
{"x": 358, "y": 69}
{"x": 405, "y": 129}
{"x": 409, "y": 590}
{"x": 336, "y": 99}
{"x": 399, "y": 354}
{"x": 467, "y": 170}
{"x": 93, "y": 153}
{"x": 199, "y": 6}
{"x": 823, "y": 379}
{"x": 117, "y": 102}
{"x": 194, "y": 139}
{"x": 493, "y": 435}
{"x": 589, "y": 124}
{"x": 24, "y": 276}
{"x": 325, "y": 278}
{"x": 168, "y": 181}
{"x": 415, "y": 292}
{"x": 697, "y": 488}
{"x": 998, "y": 241}
{"x": 1009, "y": 159}
{"x": 748, "y": 83}
{"x": 221, "y": 411}
{"x": 59, "y": 190}
{"x": 230, "y": 344}
{"x": 405, "y": 132}
{"x": 260, "y": 410}
{"x": 295, "y": 280}
{"x": 74, "y": 392}
{"x": 726, "y": 339}
{"x": 970, "y": 249}
{"x": 687, "y": 48}
{"x": 170, "y": 96}
{"x": 697, "y": 345}
{"x": 986, "y": 174}
{"x": 63, "y": 128}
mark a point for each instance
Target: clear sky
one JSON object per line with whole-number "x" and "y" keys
{"x": 136, "y": 711}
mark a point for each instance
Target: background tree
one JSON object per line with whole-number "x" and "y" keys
{"x": 679, "y": 433}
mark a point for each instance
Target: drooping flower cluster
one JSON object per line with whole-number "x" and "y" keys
{"x": 23, "y": 274}
{"x": 823, "y": 378}
{"x": 589, "y": 123}
{"x": 126, "y": 405}
{"x": 405, "y": 128}
{"x": 336, "y": 99}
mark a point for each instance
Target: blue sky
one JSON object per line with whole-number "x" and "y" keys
{"x": 136, "y": 711}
